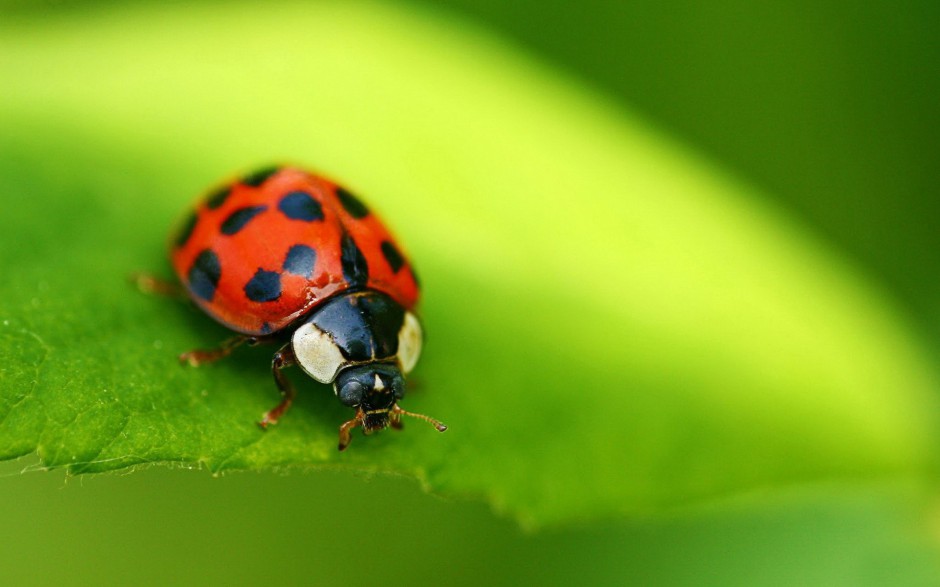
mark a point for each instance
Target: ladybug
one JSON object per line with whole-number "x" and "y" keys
{"x": 289, "y": 257}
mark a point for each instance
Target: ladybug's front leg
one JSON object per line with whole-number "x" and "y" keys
{"x": 282, "y": 359}
{"x": 198, "y": 357}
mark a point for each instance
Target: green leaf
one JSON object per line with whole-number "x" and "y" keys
{"x": 615, "y": 327}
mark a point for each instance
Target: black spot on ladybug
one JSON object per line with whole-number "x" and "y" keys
{"x": 265, "y": 286}
{"x": 259, "y": 177}
{"x": 351, "y": 203}
{"x": 265, "y": 328}
{"x": 204, "y": 275}
{"x": 392, "y": 255}
{"x": 239, "y": 218}
{"x": 301, "y": 206}
{"x": 218, "y": 197}
{"x": 300, "y": 260}
{"x": 355, "y": 267}
{"x": 186, "y": 230}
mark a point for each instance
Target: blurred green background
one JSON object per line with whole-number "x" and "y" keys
{"x": 829, "y": 108}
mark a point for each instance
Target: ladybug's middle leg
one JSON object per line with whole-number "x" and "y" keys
{"x": 282, "y": 359}
{"x": 198, "y": 357}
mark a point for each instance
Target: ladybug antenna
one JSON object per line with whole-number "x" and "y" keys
{"x": 440, "y": 427}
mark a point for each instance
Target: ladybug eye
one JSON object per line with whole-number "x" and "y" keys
{"x": 398, "y": 386}
{"x": 351, "y": 393}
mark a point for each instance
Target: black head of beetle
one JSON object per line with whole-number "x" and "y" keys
{"x": 374, "y": 389}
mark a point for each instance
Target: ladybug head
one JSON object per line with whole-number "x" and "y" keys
{"x": 373, "y": 390}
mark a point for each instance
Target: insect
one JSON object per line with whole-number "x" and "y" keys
{"x": 287, "y": 256}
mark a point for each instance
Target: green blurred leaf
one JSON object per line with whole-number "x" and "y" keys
{"x": 828, "y": 536}
{"x": 615, "y": 327}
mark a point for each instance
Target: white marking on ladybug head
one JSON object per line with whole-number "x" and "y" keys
{"x": 316, "y": 353}
{"x": 409, "y": 343}
{"x": 378, "y": 386}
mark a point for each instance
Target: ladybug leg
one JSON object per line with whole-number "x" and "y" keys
{"x": 151, "y": 284}
{"x": 344, "y": 437}
{"x": 394, "y": 420}
{"x": 198, "y": 357}
{"x": 282, "y": 359}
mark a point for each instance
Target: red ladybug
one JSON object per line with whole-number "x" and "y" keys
{"x": 283, "y": 255}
